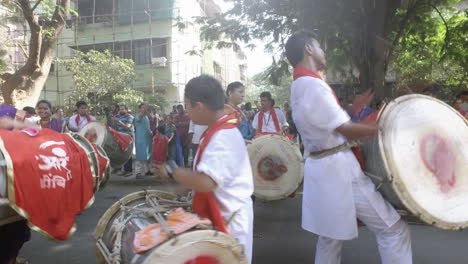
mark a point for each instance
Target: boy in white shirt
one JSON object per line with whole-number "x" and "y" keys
{"x": 221, "y": 168}
{"x": 82, "y": 117}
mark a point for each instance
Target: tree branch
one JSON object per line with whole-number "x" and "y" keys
{"x": 57, "y": 24}
{"x": 36, "y": 36}
{"x": 35, "y": 5}
{"x": 402, "y": 27}
{"x": 447, "y": 32}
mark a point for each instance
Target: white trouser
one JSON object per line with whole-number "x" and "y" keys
{"x": 142, "y": 166}
{"x": 394, "y": 242}
{"x": 241, "y": 227}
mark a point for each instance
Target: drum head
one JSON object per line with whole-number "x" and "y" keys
{"x": 424, "y": 145}
{"x": 205, "y": 246}
{"x": 101, "y": 131}
{"x": 277, "y": 166}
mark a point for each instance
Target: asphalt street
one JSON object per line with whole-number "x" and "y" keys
{"x": 279, "y": 238}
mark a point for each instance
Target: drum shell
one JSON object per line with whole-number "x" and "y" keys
{"x": 117, "y": 157}
{"x": 8, "y": 215}
{"x": 134, "y": 222}
{"x": 375, "y": 165}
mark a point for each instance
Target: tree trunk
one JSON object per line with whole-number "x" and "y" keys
{"x": 24, "y": 87}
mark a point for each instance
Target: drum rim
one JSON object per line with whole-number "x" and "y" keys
{"x": 102, "y": 183}
{"x": 115, "y": 208}
{"x": 398, "y": 185}
{"x": 89, "y": 153}
{"x": 221, "y": 239}
{"x": 95, "y": 122}
{"x": 300, "y": 178}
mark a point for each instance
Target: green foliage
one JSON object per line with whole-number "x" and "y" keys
{"x": 435, "y": 51}
{"x": 356, "y": 34}
{"x": 157, "y": 99}
{"x": 261, "y": 83}
{"x": 99, "y": 76}
{"x": 129, "y": 97}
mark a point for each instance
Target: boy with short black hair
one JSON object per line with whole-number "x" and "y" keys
{"x": 336, "y": 191}
{"x": 81, "y": 118}
{"x": 221, "y": 173}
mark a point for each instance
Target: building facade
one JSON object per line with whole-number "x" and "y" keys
{"x": 159, "y": 35}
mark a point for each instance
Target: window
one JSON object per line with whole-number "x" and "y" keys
{"x": 217, "y": 71}
{"x": 141, "y": 51}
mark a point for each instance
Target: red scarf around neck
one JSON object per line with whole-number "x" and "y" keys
{"x": 300, "y": 71}
{"x": 204, "y": 203}
{"x": 78, "y": 118}
{"x": 273, "y": 115}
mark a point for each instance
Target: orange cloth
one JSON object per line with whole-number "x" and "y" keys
{"x": 52, "y": 180}
{"x": 153, "y": 235}
{"x": 204, "y": 204}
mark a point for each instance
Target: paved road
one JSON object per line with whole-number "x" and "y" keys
{"x": 280, "y": 239}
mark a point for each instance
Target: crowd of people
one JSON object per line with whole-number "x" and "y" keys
{"x": 209, "y": 135}
{"x": 174, "y": 138}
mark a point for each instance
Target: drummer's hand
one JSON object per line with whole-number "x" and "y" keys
{"x": 6, "y": 123}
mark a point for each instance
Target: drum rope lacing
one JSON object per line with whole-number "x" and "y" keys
{"x": 119, "y": 224}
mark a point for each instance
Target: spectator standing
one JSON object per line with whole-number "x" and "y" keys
{"x": 143, "y": 141}
{"x": 182, "y": 123}
{"x": 160, "y": 145}
{"x": 81, "y": 118}
{"x": 175, "y": 155}
{"x": 124, "y": 123}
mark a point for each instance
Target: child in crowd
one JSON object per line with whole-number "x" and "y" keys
{"x": 160, "y": 144}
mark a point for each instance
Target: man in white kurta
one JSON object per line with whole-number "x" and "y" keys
{"x": 336, "y": 191}
{"x": 226, "y": 161}
{"x": 268, "y": 122}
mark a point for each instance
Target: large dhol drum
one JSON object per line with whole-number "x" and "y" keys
{"x": 99, "y": 174}
{"x": 422, "y": 154}
{"x": 105, "y": 139}
{"x": 116, "y": 229}
{"x": 277, "y": 166}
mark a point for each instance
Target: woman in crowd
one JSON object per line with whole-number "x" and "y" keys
{"x": 44, "y": 110}
{"x": 235, "y": 95}
{"x": 175, "y": 154}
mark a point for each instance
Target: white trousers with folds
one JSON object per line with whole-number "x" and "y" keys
{"x": 394, "y": 242}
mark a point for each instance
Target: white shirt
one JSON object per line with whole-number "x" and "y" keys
{"x": 227, "y": 162}
{"x": 197, "y": 131}
{"x": 83, "y": 121}
{"x": 328, "y": 202}
{"x": 268, "y": 123}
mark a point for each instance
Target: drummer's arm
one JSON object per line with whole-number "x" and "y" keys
{"x": 354, "y": 131}
{"x": 194, "y": 180}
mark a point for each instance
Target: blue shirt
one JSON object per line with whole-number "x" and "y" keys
{"x": 126, "y": 120}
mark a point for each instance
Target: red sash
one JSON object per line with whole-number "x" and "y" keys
{"x": 302, "y": 71}
{"x": 50, "y": 179}
{"x": 204, "y": 203}
{"x": 78, "y": 118}
{"x": 122, "y": 139}
{"x": 275, "y": 121}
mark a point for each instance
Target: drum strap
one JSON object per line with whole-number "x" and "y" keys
{"x": 331, "y": 151}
